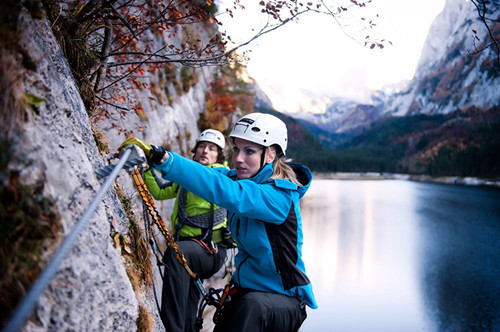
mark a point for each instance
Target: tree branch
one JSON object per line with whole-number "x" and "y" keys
{"x": 482, "y": 15}
{"x": 106, "y": 45}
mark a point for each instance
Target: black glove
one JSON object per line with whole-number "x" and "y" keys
{"x": 156, "y": 154}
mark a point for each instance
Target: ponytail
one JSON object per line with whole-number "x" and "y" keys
{"x": 281, "y": 170}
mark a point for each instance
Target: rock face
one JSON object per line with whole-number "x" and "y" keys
{"x": 455, "y": 70}
{"x": 93, "y": 289}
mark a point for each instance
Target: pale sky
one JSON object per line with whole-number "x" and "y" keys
{"x": 315, "y": 55}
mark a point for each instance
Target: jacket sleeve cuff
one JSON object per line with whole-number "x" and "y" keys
{"x": 167, "y": 165}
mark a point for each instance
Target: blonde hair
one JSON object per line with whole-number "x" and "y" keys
{"x": 281, "y": 170}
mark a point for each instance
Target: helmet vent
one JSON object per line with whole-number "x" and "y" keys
{"x": 256, "y": 129}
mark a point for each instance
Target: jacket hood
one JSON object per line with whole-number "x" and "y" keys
{"x": 304, "y": 176}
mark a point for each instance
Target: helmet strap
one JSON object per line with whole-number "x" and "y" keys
{"x": 262, "y": 158}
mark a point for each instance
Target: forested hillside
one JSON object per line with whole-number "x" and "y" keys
{"x": 461, "y": 143}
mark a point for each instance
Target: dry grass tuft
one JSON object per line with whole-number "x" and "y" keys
{"x": 29, "y": 223}
{"x": 100, "y": 139}
{"x": 144, "y": 321}
{"x": 140, "y": 257}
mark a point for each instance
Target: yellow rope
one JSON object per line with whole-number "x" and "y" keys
{"x": 148, "y": 200}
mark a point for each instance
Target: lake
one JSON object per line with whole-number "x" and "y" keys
{"x": 395, "y": 255}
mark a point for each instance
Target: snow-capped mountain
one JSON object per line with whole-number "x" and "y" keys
{"x": 455, "y": 71}
{"x": 335, "y": 111}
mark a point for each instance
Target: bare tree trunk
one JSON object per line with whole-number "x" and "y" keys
{"x": 101, "y": 72}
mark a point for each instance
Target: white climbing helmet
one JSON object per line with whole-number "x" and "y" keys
{"x": 213, "y": 136}
{"x": 261, "y": 128}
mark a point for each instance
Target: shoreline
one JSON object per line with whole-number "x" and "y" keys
{"x": 468, "y": 181}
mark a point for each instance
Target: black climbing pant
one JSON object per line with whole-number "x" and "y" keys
{"x": 261, "y": 312}
{"x": 180, "y": 296}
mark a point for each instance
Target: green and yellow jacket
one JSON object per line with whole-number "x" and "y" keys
{"x": 190, "y": 211}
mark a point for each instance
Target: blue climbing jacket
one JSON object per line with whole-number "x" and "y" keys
{"x": 264, "y": 219}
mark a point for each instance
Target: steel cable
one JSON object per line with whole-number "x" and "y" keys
{"x": 29, "y": 301}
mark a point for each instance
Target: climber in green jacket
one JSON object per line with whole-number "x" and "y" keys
{"x": 200, "y": 231}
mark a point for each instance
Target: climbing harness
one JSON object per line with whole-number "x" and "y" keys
{"x": 202, "y": 220}
{"x": 205, "y": 221}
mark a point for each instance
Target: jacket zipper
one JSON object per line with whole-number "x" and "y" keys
{"x": 239, "y": 266}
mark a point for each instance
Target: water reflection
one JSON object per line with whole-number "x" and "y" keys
{"x": 383, "y": 256}
{"x": 461, "y": 258}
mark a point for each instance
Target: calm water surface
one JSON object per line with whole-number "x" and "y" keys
{"x": 402, "y": 256}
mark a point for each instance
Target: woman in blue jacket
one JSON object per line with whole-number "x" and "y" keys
{"x": 261, "y": 195}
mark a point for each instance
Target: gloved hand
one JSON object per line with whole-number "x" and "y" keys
{"x": 157, "y": 153}
{"x": 154, "y": 154}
